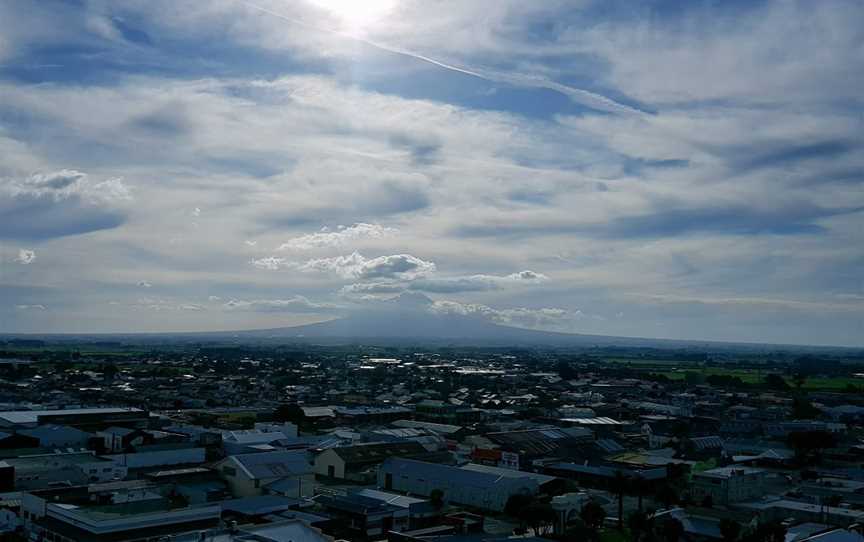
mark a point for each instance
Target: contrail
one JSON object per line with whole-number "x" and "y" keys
{"x": 580, "y": 96}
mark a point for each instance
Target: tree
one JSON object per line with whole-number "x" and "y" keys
{"x": 833, "y": 501}
{"x": 620, "y": 485}
{"x": 640, "y": 524}
{"x": 776, "y": 382}
{"x": 672, "y": 530}
{"x": 516, "y": 503}
{"x": 539, "y": 516}
{"x": 730, "y": 530}
{"x": 667, "y": 495}
{"x": 109, "y": 371}
{"x": 593, "y": 515}
{"x": 808, "y": 444}
{"x": 578, "y": 531}
{"x": 767, "y": 532}
{"x": 802, "y": 409}
{"x": 436, "y": 497}
{"x": 566, "y": 370}
{"x": 800, "y": 379}
{"x": 289, "y": 412}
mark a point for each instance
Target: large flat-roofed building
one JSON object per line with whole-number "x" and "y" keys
{"x": 44, "y": 471}
{"x": 483, "y": 490}
{"x": 81, "y": 418}
{"x": 140, "y": 520}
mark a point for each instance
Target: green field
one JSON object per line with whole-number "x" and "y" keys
{"x": 752, "y": 376}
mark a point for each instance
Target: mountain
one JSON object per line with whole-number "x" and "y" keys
{"x": 408, "y": 317}
{"x": 409, "y": 320}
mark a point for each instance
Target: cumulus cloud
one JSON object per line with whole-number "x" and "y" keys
{"x": 340, "y": 237}
{"x": 403, "y": 266}
{"x": 296, "y": 303}
{"x": 25, "y": 256}
{"x": 270, "y": 263}
{"x": 356, "y": 266}
{"x": 520, "y": 317}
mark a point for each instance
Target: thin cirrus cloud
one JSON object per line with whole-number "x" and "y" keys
{"x": 295, "y": 304}
{"x": 36, "y": 307}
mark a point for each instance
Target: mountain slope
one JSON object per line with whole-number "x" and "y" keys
{"x": 408, "y": 317}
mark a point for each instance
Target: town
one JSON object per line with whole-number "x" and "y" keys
{"x": 108, "y": 441}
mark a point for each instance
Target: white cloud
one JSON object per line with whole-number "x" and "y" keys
{"x": 356, "y": 266}
{"x": 550, "y": 318}
{"x": 31, "y": 307}
{"x": 165, "y": 305}
{"x": 25, "y": 256}
{"x": 340, "y": 237}
{"x": 751, "y": 96}
{"x": 402, "y": 266}
{"x": 144, "y": 284}
{"x": 442, "y": 285}
{"x": 59, "y": 203}
{"x": 477, "y": 283}
{"x": 297, "y": 303}
{"x": 270, "y": 263}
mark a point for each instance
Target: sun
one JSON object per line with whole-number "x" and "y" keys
{"x": 356, "y": 15}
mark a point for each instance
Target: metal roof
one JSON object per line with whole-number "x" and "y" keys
{"x": 16, "y": 417}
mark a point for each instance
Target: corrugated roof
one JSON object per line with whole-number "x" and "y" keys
{"x": 378, "y": 452}
{"x": 32, "y": 416}
{"x": 273, "y": 464}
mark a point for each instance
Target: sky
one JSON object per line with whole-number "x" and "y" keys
{"x": 687, "y": 170}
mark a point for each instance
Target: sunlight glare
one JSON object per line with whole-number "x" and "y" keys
{"x": 356, "y": 15}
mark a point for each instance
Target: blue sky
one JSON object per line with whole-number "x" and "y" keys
{"x": 684, "y": 170}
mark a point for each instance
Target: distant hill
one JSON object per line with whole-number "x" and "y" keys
{"x": 407, "y": 318}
